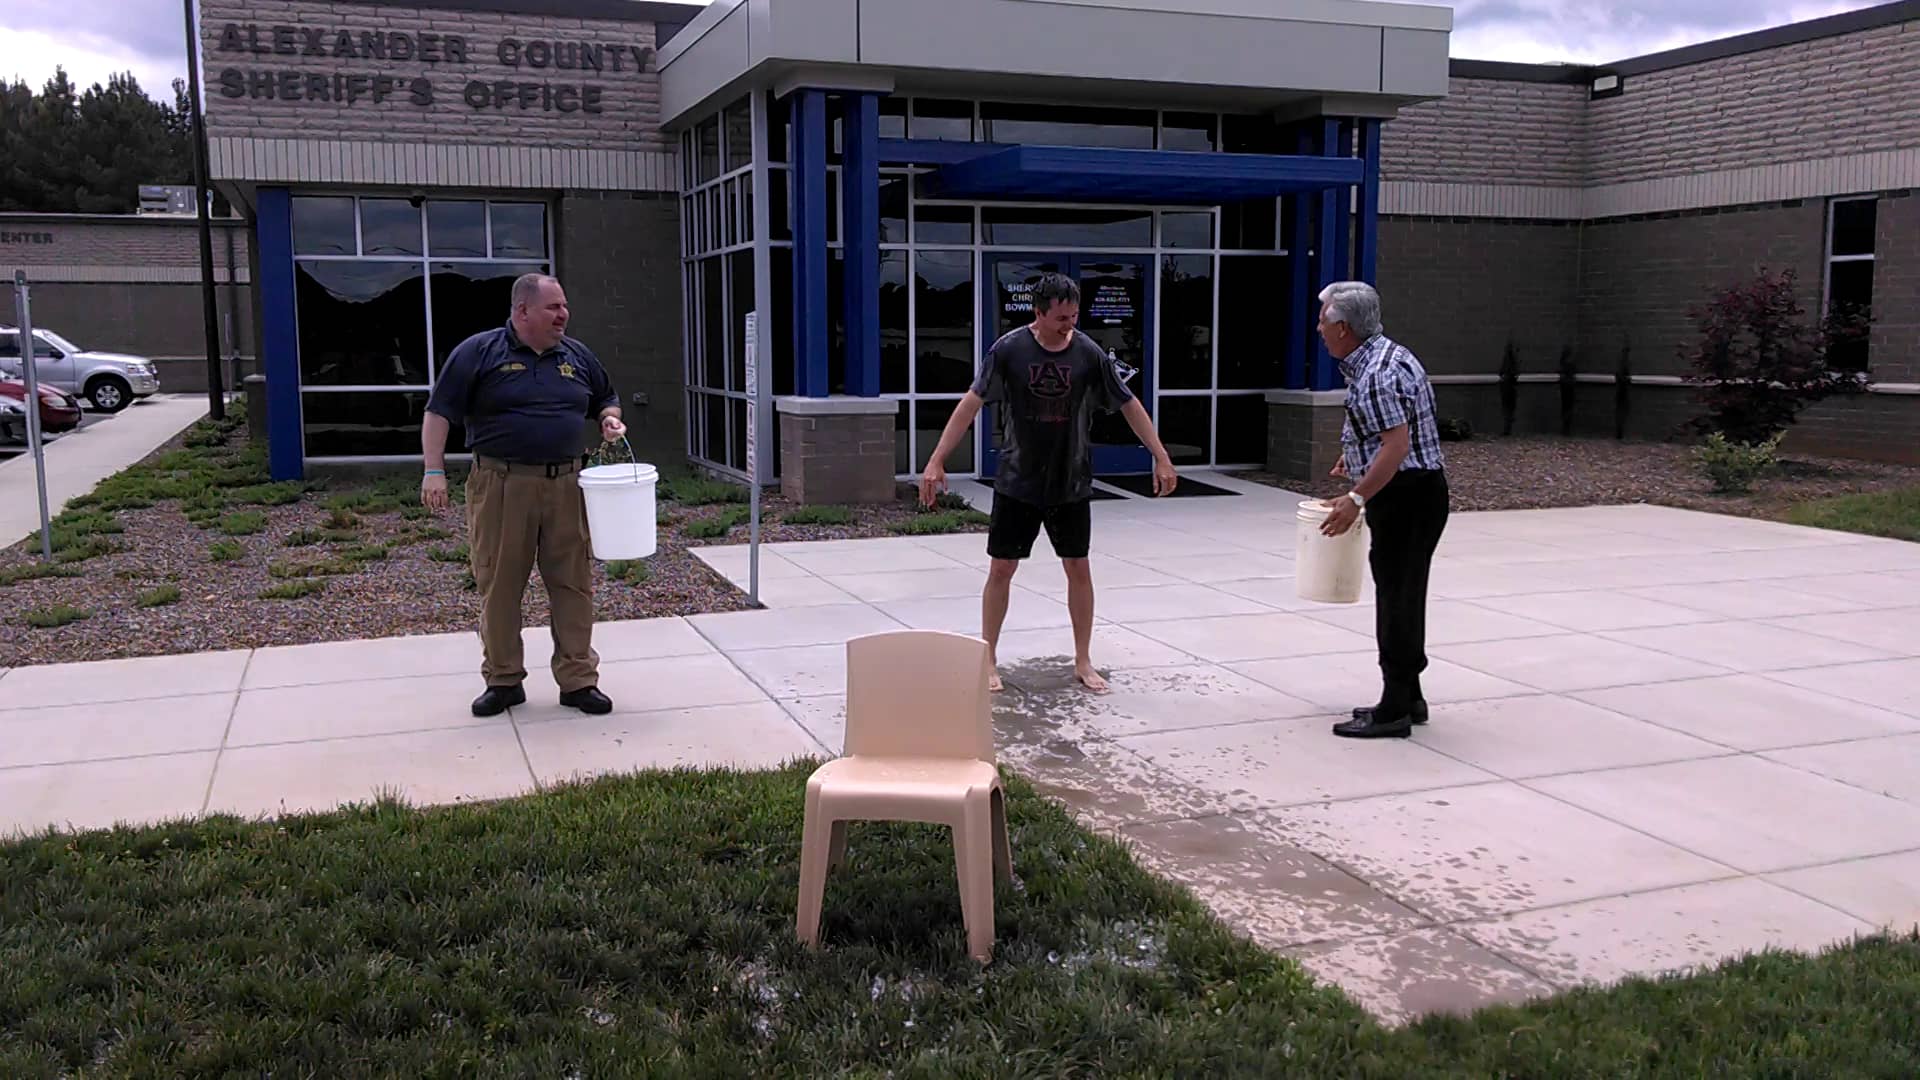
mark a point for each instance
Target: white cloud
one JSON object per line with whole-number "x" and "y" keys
{"x": 33, "y": 53}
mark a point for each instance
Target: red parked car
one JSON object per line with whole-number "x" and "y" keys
{"x": 58, "y": 411}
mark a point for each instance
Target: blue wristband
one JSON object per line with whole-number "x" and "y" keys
{"x": 436, "y": 472}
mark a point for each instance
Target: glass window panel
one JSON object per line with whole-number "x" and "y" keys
{"x": 779, "y": 206}
{"x": 469, "y": 298}
{"x": 1240, "y": 422}
{"x": 1849, "y": 298}
{"x": 902, "y": 434}
{"x": 780, "y": 350}
{"x": 746, "y": 209}
{"x": 893, "y": 118}
{"x": 930, "y": 419}
{"x": 367, "y": 423}
{"x": 1250, "y": 348}
{"x": 893, "y": 322}
{"x": 1186, "y": 230}
{"x": 706, "y": 140}
{"x": 1066, "y": 125}
{"x": 456, "y": 229}
{"x": 1252, "y": 135}
{"x": 1853, "y": 226}
{"x": 739, "y": 122}
{"x": 1049, "y": 228}
{"x": 389, "y": 227}
{"x": 714, "y": 407}
{"x": 948, "y": 121}
{"x": 833, "y": 207}
{"x": 740, "y": 280}
{"x": 943, "y": 321}
{"x": 738, "y": 438}
{"x": 730, "y": 212}
{"x": 893, "y": 208}
{"x": 942, "y": 224}
{"x": 779, "y": 128}
{"x": 713, "y": 325}
{"x": 1186, "y": 322}
{"x": 836, "y": 322}
{"x": 1188, "y": 131}
{"x": 1250, "y": 226}
{"x": 323, "y": 226}
{"x": 361, "y": 323}
{"x": 1185, "y": 425}
{"x": 519, "y": 230}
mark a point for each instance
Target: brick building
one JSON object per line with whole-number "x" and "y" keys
{"x": 863, "y": 190}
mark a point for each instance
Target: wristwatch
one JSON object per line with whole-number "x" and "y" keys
{"x": 1358, "y": 500}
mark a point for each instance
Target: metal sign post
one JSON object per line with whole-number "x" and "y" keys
{"x": 753, "y": 456}
{"x": 28, "y": 368}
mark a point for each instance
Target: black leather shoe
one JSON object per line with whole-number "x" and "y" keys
{"x": 1417, "y": 716}
{"x": 588, "y": 699}
{"x": 497, "y": 699}
{"x": 1372, "y": 727}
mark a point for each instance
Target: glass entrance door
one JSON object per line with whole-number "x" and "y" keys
{"x": 1116, "y": 301}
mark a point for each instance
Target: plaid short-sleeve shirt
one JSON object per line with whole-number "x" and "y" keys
{"x": 1387, "y": 387}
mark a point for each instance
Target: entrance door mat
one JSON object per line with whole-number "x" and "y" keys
{"x": 1142, "y": 484}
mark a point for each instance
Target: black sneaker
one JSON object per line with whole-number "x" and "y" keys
{"x": 588, "y": 699}
{"x": 498, "y": 699}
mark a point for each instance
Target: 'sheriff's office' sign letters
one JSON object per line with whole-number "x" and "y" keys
{"x": 408, "y": 85}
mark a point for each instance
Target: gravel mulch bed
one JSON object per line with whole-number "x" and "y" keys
{"x": 396, "y": 569}
{"x": 1531, "y": 473}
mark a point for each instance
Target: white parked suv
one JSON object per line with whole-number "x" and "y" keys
{"x": 111, "y": 381}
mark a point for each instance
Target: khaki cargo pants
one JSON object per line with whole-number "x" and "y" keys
{"x": 517, "y": 515}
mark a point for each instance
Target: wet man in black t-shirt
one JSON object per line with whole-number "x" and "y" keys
{"x": 1049, "y": 379}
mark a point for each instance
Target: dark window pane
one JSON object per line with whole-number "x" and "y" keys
{"x": 1853, "y": 226}
{"x": 730, "y": 213}
{"x": 1185, "y": 425}
{"x": 893, "y": 322}
{"x": 943, "y": 318}
{"x": 930, "y": 419}
{"x": 902, "y": 459}
{"x": 1252, "y": 289}
{"x": 367, "y": 423}
{"x": 1186, "y": 230}
{"x": 1066, "y": 125}
{"x": 1850, "y": 302}
{"x": 746, "y": 209}
{"x": 389, "y": 227}
{"x": 1250, "y": 226}
{"x": 1188, "y": 131}
{"x": 323, "y": 226}
{"x": 833, "y": 208}
{"x": 713, "y": 324}
{"x": 949, "y": 121}
{"x": 942, "y": 224}
{"x": 737, "y": 450}
{"x": 1252, "y": 135}
{"x": 1048, "y": 228}
{"x": 740, "y": 275}
{"x": 706, "y": 140}
{"x": 1241, "y": 423}
{"x": 893, "y": 118}
{"x": 739, "y": 120}
{"x": 1186, "y": 322}
{"x": 779, "y": 127}
{"x": 457, "y": 229}
{"x": 469, "y": 298}
{"x": 361, "y": 323}
{"x": 715, "y": 408}
{"x": 893, "y": 209}
{"x": 519, "y": 230}
{"x": 780, "y": 349}
{"x": 836, "y": 322}
{"x": 779, "y": 206}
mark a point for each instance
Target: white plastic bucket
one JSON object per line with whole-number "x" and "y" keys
{"x": 1328, "y": 569}
{"x": 620, "y": 509}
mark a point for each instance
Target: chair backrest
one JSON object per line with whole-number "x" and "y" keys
{"x": 919, "y": 693}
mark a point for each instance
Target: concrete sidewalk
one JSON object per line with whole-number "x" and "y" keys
{"x": 79, "y": 460}
{"x": 1659, "y": 738}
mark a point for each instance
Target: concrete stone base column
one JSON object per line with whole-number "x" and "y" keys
{"x": 836, "y": 450}
{"x": 1303, "y": 432}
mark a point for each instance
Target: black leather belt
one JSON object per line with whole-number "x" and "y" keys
{"x": 549, "y": 469}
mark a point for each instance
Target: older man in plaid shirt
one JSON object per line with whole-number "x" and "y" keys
{"x": 1391, "y": 447}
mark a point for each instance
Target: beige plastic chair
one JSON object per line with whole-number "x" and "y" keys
{"x": 919, "y": 747}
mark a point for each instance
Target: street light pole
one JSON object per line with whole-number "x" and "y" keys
{"x": 216, "y": 391}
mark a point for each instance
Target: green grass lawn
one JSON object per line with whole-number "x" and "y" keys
{"x": 643, "y": 927}
{"x": 1887, "y": 513}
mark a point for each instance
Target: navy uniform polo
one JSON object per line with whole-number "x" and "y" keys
{"x": 519, "y": 405}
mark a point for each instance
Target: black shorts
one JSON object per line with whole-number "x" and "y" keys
{"x": 1016, "y": 525}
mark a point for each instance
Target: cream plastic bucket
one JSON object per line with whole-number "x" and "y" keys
{"x": 1328, "y": 569}
{"x": 620, "y": 509}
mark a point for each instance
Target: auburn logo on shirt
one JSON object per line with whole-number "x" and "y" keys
{"x": 1049, "y": 379}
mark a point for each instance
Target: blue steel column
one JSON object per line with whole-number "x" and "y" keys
{"x": 860, "y": 199}
{"x": 1366, "y": 258}
{"x": 811, "y": 324}
{"x": 273, "y": 228}
{"x": 1304, "y": 313}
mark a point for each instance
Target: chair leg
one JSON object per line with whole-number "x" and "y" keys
{"x": 837, "y": 849}
{"x": 1002, "y": 846}
{"x": 816, "y": 840}
{"x": 973, "y": 857}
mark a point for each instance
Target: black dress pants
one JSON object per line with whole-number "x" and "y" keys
{"x": 1406, "y": 519}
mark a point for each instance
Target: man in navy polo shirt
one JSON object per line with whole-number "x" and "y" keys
{"x": 525, "y": 392}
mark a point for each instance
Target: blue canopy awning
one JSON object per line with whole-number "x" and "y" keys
{"x": 1145, "y": 176}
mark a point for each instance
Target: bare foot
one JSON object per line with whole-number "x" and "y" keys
{"x": 1090, "y": 678}
{"x": 993, "y": 682}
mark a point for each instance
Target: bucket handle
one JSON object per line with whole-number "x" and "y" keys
{"x": 632, "y": 458}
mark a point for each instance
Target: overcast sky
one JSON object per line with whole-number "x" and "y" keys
{"x": 95, "y": 38}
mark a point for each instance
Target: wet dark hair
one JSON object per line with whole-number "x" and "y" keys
{"x": 1054, "y": 289}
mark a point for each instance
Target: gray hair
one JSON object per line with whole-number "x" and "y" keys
{"x": 1354, "y": 303}
{"x": 526, "y": 287}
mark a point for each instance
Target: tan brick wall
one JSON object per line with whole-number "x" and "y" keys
{"x": 1488, "y": 132}
{"x": 837, "y": 459}
{"x": 1896, "y": 293}
{"x": 1303, "y": 441}
{"x": 47, "y": 240}
{"x": 628, "y": 101}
